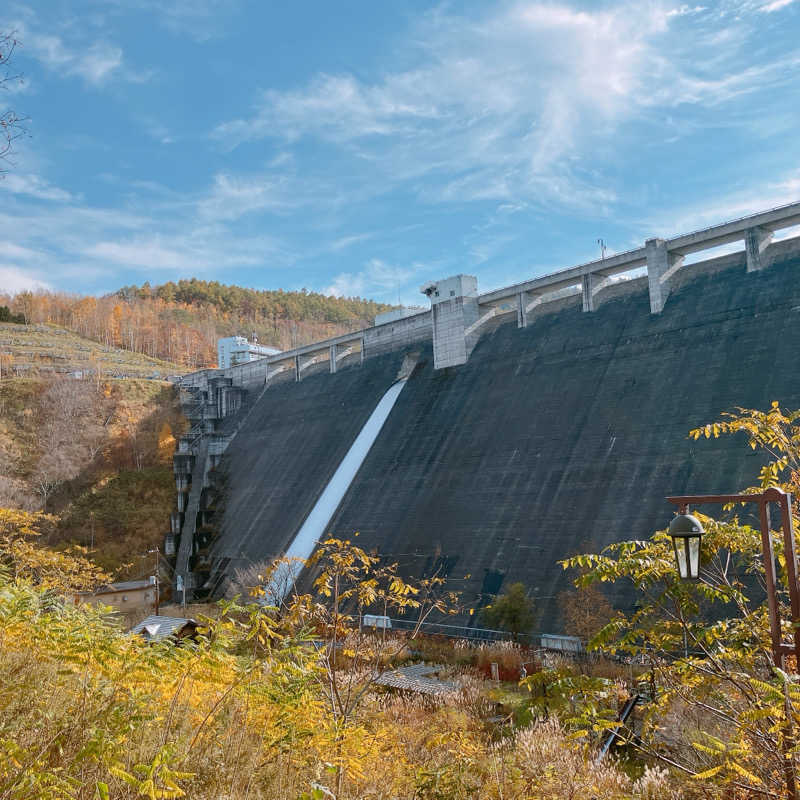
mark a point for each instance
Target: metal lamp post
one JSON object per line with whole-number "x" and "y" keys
{"x": 686, "y": 532}
{"x": 763, "y": 499}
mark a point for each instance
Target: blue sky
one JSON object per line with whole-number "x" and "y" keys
{"x": 362, "y": 148}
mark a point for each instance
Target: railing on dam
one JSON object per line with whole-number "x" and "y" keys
{"x": 453, "y": 323}
{"x": 559, "y": 643}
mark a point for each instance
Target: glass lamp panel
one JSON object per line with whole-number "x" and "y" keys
{"x": 693, "y": 543}
{"x": 680, "y": 556}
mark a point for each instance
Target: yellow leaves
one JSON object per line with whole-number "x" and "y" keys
{"x": 731, "y": 754}
{"x": 49, "y": 569}
{"x": 166, "y": 441}
{"x": 15, "y": 523}
{"x": 709, "y": 773}
{"x": 399, "y": 587}
{"x": 257, "y": 682}
{"x": 713, "y": 429}
{"x": 156, "y": 780}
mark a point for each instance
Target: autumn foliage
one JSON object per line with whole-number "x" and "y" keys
{"x": 250, "y": 710}
{"x": 181, "y": 322}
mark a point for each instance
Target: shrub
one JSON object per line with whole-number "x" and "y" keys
{"x": 512, "y": 611}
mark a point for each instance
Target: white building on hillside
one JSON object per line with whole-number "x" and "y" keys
{"x": 238, "y": 350}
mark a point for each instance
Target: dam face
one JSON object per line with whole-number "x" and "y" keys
{"x": 554, "y": 438}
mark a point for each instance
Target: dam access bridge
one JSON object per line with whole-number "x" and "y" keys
{"x": 532, "y": 421}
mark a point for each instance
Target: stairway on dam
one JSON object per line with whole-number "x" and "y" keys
{"x": 187, "y": 540}
{"x": 554, "y": 438}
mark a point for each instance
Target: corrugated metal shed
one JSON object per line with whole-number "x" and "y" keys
{"x": 155, "y": 628}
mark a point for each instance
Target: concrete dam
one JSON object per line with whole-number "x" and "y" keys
{"x": 525, "y": 424}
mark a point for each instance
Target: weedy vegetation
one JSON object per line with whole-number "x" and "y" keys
{"x": 279, "y": 696}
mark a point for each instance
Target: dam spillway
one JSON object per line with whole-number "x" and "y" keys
{"x": 561, "y": 435}
{"x": 316, "y": 523}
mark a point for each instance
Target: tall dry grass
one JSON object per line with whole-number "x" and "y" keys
{"x": 85, "y": 707}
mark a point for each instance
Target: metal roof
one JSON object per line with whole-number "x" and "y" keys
{"x": 155, "y": 628}
{"x": 417, "y": 678}
{"x": 126, "y": 586}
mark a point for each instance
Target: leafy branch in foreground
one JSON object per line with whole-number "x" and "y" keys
{"x": 348, "y": 583}
{"x": 723, "y": 713}
{"x": 48, "y": 569}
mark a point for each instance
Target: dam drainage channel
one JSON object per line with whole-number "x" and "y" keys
{"x": 313, "y": 528}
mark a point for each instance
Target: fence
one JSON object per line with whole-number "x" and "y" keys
{"x": 569, "y": 644}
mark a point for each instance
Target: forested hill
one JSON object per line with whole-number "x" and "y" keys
{"x": 255, "y": 304}
{"x": 181, "y": 322}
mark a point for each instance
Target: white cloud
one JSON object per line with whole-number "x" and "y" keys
{"x": 147, "y": 252}
{"x": 192, "y": 253}
{"x": 95, "y": 63}
{"x": 15, "y": 252}
{"x": 377, "y": 279}
{"x": 686, "y": 10}
{"x": 775, "y": 5}
{"x": 741, "y": 203}
{"x": 511, "y": 106}
{"x": 344, "y": 242}
{"x": 232, "y": 196}
{"x": 158, "y": 230}
{"x": 14, "y": 279}
{"x": 33, "y": 186}
{"x": 529, "y": 107}
{"x": 516, "y": 104}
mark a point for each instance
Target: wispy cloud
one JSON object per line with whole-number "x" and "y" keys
{"x": 775, "y": 5}
{"x": 94, "y": 63}
{"x": 686, "y": 10}
{"x": 508, "y": 106}
{"x": 377, "y": 279}
{"x": 34, "y": 186}
{"x": 86, "y": 52}
{"x": 234, "y": 196}
{"x": 479, "y": 135}
{"x": 348, "y": 241}
{"x": 169, "y": 233}
{"x": 14, "y": 252}
{"x": 732, "y": 205}
{"x": 14, "y": 279}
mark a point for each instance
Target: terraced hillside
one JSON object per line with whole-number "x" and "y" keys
{"x": 50, "y": 349}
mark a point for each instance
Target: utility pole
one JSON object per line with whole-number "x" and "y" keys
{"x": 158, "y": 564}
{"x": 180, "y": 585}
{"x": 603, "y": 249}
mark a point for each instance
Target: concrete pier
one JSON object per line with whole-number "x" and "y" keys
{"x": 454, "y": 307}
{"x": 756, "y": 241}
{"x": 661, "y": 266}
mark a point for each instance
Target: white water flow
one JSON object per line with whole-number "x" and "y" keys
{"x": 313, "y": 528}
